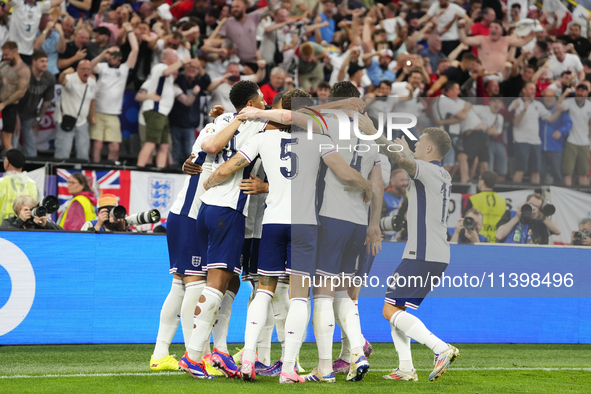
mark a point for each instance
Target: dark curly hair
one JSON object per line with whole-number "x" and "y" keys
{"x": 242, "y": 92}
{"x": 303, "y": 99}
{"x": 344, "y": 89}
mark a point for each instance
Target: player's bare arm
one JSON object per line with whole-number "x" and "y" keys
{"x": 403, "y": 157}
{"x": 373, "y": 238}
{"x": 216, "y": 143}
{"x": 223, "y": 172}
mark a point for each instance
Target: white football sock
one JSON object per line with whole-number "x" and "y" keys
{"x": 192, "y": 292}
{"x": 356, "y": 302}
{"x": 220, "y": 328}
{"x": 280, "y": 306}
{"x": 402, "y": 345}
{"x": 169, "y": 318}
{"x": 255, "y": 321}
{"x": 295, "y": 328}
{"x": 345, "y": 354}
{"x": 204, "y": 319}
{"x": 323, "y": 321}
{"x": 414, "y": 328}
{"x": 345, "y": 310}
{"x": 264, "y": 342}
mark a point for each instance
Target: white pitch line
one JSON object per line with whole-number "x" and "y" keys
{"x": 102, "y": 375}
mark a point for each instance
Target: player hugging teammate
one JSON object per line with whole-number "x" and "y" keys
{"x": 310, "y": 230}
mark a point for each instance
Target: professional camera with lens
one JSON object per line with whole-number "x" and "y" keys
{"x": 469, "y": 225}
{"x": 527, "y": 210}
{"x": 49, "y": 205}
{"x": 118, "y": 212}
{"x": 151, "y": 216}
{"x": 396, "y": 220}
{"x": 580, "y": 236}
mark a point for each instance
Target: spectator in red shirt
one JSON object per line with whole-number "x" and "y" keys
{"x": 277, "y": 83}
{"x": 482, "y": 28}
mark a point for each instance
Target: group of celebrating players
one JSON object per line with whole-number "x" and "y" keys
{"x": 289, "y": 209}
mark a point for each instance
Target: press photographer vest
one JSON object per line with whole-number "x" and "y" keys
{"x": 492, "y": 207}
{"x": 89, "y": 211}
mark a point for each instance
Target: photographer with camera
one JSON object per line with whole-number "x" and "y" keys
{"x": 583, "y": 236}
{"x": 28, "y": 216}
{"x": 111, "y": 217}
{"x": 469, "y": 227}
{"x": 529, "y": 224}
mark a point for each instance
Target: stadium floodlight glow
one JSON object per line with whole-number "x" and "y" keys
{"x": 345, "y": 121}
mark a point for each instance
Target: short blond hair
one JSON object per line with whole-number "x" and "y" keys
{"x": 475, "y": 211}
{"x": 22, "y": 200}
{"x": 440, "y": 139}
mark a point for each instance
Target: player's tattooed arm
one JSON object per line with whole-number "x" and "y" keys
{"x": 224, "y": 171}
{"x": 398, "y": 150}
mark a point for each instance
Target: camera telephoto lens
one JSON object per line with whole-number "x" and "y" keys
{"x": 39, "y": 211}
{"x": 119, "y": 212}
{"x": 469, "y": 223}
{"x": 526, "y": 210}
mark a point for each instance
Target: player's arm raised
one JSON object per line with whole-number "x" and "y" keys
{"x": 348, "y": 174}
{"x": 403, "y": 157}
{"x": 223, "y": 172}
{"x": 373, "y": 238}
{"x": 216, "y": 143}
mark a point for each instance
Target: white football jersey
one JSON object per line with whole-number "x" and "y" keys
{"x": 187, "y": 202}
{"x": 291, "y": 161}
{"x": 256, "y": 210}
{"x": 223, "y": 120}
{"x": 24, "y": 23}
{"x": 429, "y": 192}
{"x": 336, "y": 199}
{"x": 228, "y": 194}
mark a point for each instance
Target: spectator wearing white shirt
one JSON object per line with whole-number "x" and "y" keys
{"x": 77, "y": 100}
{"x": 526, "y": 132}
{"x": 109, "y": 97}
{"x": 447, "y": 14}
{"x": 24, "y": 22}
{"x": 561, "y": 61}
{"x": 576, "y": 160}
{"x": 157, "y": 95}
{"x": 493, "y": 122}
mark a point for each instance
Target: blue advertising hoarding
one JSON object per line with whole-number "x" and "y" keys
{"x": 61, "y": 287}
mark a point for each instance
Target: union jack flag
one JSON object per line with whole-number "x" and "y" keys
{"x": 116, "y": 182}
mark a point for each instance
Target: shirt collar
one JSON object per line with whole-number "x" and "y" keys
{"x": 437, "y": 163}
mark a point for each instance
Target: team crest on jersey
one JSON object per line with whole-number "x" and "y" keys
{"x": 160, "y": 193}
{"x": 196, "y": 261}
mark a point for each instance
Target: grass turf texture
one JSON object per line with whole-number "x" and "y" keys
{"x": 482, "y": 368}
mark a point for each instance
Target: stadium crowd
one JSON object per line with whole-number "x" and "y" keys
{"x": 509, "y": 84}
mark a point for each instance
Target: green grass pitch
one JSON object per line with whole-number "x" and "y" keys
{"x": 482, "y": 368}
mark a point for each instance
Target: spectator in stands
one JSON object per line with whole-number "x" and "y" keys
{"x": 460, "y": 75}
{"x": 584, "y": 225}
{"x": 394, "y": 194}
{"x": 513, "y": 86}
{"x": 109, "y": 96}
{"x": 278, "y": 82}
{"x": 4, "y": 16}
{"x": 51, "y": 40}
{"x": 77, "y": 101}
{"x": 185, "y": 115}
{"x": 241, "y": 29}
{"x": 587, "y": 69}
{"x": 144, "y": 58}
{"x": 157, "y": 101}
{"x": 379, "y": 71}
{"x": 463, "y": 235}
{"x": 553, "y": 135}
{"x": 76, "y": 51}
{"x": 274, "y": 38}
{"x": 540, "y": 51}
{"x": 14, "y": 75}
{"x": 563, "y": 83}
{"x": 68, "y": 27}
{"x": 561, "y": 61}
{"x": 533, "y": 228}
{"x": 447, "y": 14}
{"x": 327, "y": 15}
{"x": 105, "y": 221}
{"x": 311, "y": 66}
{"x": 102, "y": 35}
{"x": 24, "y": 20}
{"x": 80, "y": 208}
{"x": 24, "y": 220}
{"x": 526, "y": 132}
{"x": 482, "y": 27}
{"x": 493, "y": 122}
{"x": 14, "y": 182}
{"x": 220, "y": 89}
{"x": 79, "y": 9}
{"x": 34, "y": 104}
{"x": 489, "y": 203}
{"x": 576, "y": 160}
{"x": 433, "y": 51}
{"x": 581, "y": 44}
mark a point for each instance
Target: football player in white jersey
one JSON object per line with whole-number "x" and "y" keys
{"x": 281, "y": 240}
{"x": 221, "y": 229}
{"x": 427, "y": 250}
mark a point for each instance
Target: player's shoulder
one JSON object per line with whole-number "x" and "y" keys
{"x": 432, "y": 169}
